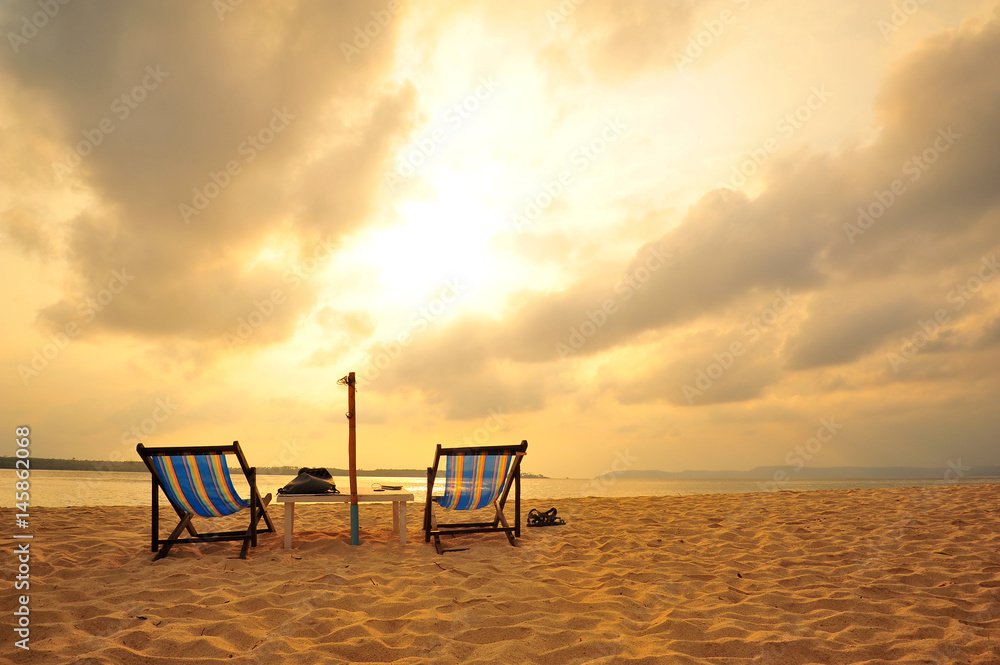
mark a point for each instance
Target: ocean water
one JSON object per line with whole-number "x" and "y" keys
{"x": 90, "y": 488}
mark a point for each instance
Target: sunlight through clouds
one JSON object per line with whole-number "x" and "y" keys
{"x": 433, "y": 240}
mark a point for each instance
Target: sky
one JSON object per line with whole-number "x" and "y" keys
{"x": 652, "y": 234}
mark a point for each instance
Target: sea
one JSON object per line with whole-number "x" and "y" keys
{"x": 104, "y": 488}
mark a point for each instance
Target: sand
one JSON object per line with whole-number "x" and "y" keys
{"x": 850, "y": 576}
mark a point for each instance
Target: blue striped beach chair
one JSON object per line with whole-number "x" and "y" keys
{"x": 475, "y": 478}
{"x": 195, "y": 480}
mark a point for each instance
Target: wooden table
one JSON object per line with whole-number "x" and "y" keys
{"x": 397, "y": 497}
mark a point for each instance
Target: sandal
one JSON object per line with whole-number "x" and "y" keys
{"x": 548, "y": 518}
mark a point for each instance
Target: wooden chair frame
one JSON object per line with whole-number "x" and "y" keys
{"x": 258, "y": 505}
{"x": 432, "y": 529}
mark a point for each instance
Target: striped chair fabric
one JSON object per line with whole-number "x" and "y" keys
{"x": 199, "y": 484}
{"x": 474, "y": 481}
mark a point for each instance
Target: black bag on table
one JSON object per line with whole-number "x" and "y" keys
{"x": 311, "y": 481}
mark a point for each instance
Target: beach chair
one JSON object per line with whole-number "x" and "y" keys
{"x": 476, "y": 477}
{"x": 195, "y": 480}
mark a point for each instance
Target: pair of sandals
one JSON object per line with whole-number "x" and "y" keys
{"x": 548, "y": 518}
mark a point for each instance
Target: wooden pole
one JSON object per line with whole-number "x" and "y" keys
{"x": 352, "y": 458}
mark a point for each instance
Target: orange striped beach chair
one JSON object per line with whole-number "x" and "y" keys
{"x": 196, "y": 481}
{"x": 475, "y": 478}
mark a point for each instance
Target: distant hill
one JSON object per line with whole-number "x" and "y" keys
{"x": 815, "y": 473}
{"x": 53, "y": 464}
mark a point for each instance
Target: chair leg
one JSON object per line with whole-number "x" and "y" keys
{"x": 193, "y": 532}
{"x": 264, "y": 503}
{"x": 433, "y": 526}
{"x": 503, "y": 520}
{"x": 255, "y": 518}
{"x": 430, "y": 521}
{"x": 517, "y": 503}
{"x": 428, "y": 506}
{"x": 155, "y": 505}
{"x": 183, "y": 524}
{"x": 246, "y": 546}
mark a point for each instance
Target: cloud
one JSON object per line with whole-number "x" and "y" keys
{"x": 615, "y": 41}
{"x": 940, "y": 137}
{"x": 220, "y": 139}
{"x": 583, "y": 40}
{"x": 347, "y": 328}
{"x": 21, "y": 228}
{"x": 717, "y": 367}
{"x": 455, "y": 367}
{"x": 843, "y": 327}
{"x": 990, "y": 336}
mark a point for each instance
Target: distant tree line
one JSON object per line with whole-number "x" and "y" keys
{"x": 75, "y": 464}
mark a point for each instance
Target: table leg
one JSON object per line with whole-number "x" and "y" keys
{"x": 401, "y": 511}
{"x": 395, "y": 516}
{"x": 289, "y": 520}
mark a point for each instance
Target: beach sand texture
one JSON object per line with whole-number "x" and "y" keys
{"x": 847, "y": 576}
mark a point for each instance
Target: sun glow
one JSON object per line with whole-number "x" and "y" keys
{"x": 437, "y": 240}
{"x": 277, "y": 249}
